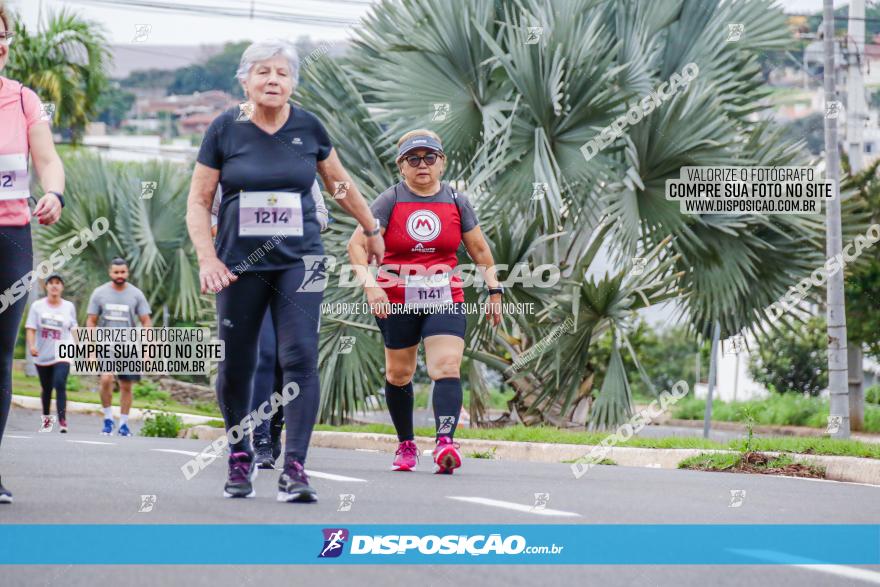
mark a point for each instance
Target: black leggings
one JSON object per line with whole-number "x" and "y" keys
{"x": 16, "y": 260}
{"x": 267, "y": 379}
{"x": 54, "y": 376}
{"x": 296, "y": 317}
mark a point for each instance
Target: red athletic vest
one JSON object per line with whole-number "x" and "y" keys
{"x": 421, "y": 231}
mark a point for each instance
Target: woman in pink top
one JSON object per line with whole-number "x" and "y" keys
{"x": 24, "y": 133}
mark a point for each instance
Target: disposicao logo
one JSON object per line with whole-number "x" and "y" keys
{"x": 334, "y": 541}
{"x": 433, "y": 544}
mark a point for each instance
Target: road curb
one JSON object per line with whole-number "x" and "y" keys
{"x": 838, "y": 468}
{"x": 774, "y": 430}
{"x": 34, "y": 403}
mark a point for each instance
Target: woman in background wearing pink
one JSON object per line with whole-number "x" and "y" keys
{"x": 23, "y": 133}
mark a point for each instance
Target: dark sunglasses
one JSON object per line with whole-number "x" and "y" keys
{"x": 416, "y": 160}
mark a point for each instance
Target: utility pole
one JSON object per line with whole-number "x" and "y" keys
{"x": 837, "y": 367}
{"x": 713, "y": 373}
{"x": 855, "y": 120}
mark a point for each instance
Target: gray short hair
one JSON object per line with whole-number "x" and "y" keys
{"x": 262, "y": 50}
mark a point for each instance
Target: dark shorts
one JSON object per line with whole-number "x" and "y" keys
{"x": 403, "y": 330}
{"x": 128, "y": 377}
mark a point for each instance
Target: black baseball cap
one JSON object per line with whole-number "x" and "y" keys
{"x": 53, "y": 275}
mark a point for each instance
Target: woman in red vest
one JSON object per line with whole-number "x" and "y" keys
{"x": 416, "y": 295}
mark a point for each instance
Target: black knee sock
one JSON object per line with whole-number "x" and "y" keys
{"x": 400, "y": 405}
{"x": 447, "y": 405}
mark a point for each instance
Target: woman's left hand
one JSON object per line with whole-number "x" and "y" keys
{"x": 493, "y": 309}
{"x": 48, "y": 209}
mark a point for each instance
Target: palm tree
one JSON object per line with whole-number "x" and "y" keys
{"x": 518, "y": 114}
{"x": 65, "y": 64}
{"x": 149, "y": 233}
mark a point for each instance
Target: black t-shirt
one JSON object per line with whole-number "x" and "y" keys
{"x": 251, "y": 160}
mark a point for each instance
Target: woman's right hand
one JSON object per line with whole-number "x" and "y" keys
{"x": 34, "y": 351}
{"x": 214, "y": 276}
{"x": 378, "y": 300}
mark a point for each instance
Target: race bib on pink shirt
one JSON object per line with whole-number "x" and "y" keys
{"x": 14, "y": 177}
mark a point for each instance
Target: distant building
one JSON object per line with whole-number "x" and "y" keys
{"x": 191, "y": 113}
{"x": 196, "y": 123}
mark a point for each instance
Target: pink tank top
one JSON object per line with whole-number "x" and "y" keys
{"x": 19, "y": 111}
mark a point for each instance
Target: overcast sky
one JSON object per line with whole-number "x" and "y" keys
{"x": 167, "y": 28}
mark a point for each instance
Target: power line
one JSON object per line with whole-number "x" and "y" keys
{"x": 363, "y": 3}
{"x": 276, "y": 16}
{"x": 138, "y": 49}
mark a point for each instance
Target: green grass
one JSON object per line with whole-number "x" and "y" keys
{"x": 162, "y": 425}
{"x": 30, "y": 386}
{"x": 734, "y": 462}
{"x": 602, "y": 462}
{"x": 712, "y": 461}
{"x": 781, "y": 96}
{"x": 497, "y": 401}
{"x": 486, "y": 454}
{"x": 794, "y": 444}
{"x": 775, "y": 410}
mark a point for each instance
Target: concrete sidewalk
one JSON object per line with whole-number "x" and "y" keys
{"x": 34, "y": 403}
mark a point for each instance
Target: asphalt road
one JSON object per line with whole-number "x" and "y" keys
{"x": 83, "y": 477}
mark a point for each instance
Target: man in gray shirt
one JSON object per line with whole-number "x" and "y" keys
{"x": 117, "y": 304}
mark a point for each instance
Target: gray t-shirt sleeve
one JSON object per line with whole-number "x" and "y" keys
{"x": 468, "y": 215}
{"x": 143, "y": 306}
{"x": 320, "y": 207}
{"x": 94, "y": 306}
{"x": 72, "y": 310}
{"x": 382, "y": 206}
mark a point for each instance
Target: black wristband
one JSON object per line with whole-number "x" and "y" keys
{"x": 375, "y": 231}
{"x": 496, "y": 290}
{"x": 59, "y": 196}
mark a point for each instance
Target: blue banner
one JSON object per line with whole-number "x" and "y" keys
{"x": 640, "y": 544}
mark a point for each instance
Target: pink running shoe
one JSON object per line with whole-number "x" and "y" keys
{"x": 446, "y": 456}
{"x": 407, "y": 456}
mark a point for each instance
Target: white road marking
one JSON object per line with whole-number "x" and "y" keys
{"x": 315, "y": 474}
{"x": 15, "y": 436}
{"x": 332, "y": 477}
{"x": 92, "y": 442}
{"x": 367, "y": 450}
{"x": 515, "y": 506}
{"x": 813, "y": 565}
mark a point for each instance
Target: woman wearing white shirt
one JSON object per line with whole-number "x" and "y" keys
{"x": 51, "y": 319}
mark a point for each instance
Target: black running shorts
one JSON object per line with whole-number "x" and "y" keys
{"x": 403, "y": 330}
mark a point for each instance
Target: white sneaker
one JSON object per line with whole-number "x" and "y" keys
{"x": 48, "y": 422}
